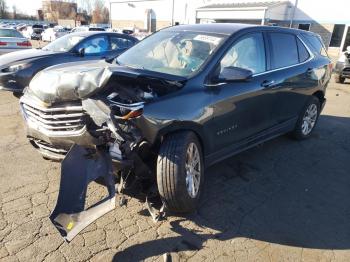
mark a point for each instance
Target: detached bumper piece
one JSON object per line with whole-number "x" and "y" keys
{"x": 79, "y": 168}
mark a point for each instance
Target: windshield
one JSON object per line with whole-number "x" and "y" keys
{"x": 64, "y": 43}
{"x": 176, "y": 53}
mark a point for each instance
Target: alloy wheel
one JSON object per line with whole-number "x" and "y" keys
{"x": 309, "y": 119}
{"x": 193, "y": 170}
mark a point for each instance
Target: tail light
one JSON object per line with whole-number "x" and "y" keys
{"x": 25, "y": 43}
{"x": 3, "y": 43}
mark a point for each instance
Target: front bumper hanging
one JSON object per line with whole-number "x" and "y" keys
{"x": 79, "y": 168}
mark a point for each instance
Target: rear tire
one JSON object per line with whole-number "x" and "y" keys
{"x": 339, "y": 79}
{"x": 180, "y": 171}
{"x": 307, "y": 119}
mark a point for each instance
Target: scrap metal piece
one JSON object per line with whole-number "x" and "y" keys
{"x": 155, "y": 213}
{"x": 122, "y": 201}
{"x": 79, "y": 168}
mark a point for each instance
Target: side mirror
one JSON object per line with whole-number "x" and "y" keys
{"x": 81, "y": 52}
{"x": 110, "y": 59}
{"x": 232, "y": 74}
{"x": 348, "y": 48}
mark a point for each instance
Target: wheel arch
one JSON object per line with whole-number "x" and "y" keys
{"x": 180, "y": 127}
{"x": 320, "y": 96}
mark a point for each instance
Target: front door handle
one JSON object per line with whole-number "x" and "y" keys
{"x": 268, "y": 83}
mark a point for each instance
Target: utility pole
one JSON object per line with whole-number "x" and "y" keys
{"x": 172, "y": 13}
{"x": 110, "y": 13}
{"x": 293, "y": 14}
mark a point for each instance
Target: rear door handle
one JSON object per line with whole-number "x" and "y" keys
{"x": 268, "y": 83}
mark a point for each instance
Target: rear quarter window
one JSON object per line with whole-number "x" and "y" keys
{"x": 120, "y": 43}
{"x": 284, "y": 50}
{"x": 303, "y": 53}
{"x": 315, "y": 43}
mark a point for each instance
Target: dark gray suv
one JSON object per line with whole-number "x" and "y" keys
{"x": 177, "y": 102}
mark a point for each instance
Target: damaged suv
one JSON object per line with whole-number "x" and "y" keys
{"x": 177, "y": 102}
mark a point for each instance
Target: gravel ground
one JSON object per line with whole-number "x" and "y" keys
{"x": 283, "y": 200}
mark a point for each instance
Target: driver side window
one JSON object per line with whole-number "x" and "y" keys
{"x": 95, "y": 46}
{"x": 247, "y": 53}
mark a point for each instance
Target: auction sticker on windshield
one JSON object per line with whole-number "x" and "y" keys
{"x": 209, "y": 39}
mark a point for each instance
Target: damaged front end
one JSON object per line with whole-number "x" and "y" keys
{"x": 89, "y": 114}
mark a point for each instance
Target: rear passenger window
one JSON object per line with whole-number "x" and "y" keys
{"x": 303, "y": 53}
{"x": 120, "y": 43}
{"x": 284, "y": 50}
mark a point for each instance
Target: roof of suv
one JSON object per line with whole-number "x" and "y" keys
{"x": 220, "y": 28}
{"x": 228, "y": 28}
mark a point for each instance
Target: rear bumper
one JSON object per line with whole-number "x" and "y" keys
{"x": 342, "y": 69}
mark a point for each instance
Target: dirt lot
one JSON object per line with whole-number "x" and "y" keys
{"x": 283, "y": 200}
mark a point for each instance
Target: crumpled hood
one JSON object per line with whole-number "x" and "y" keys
{"x": 69, "y": 81}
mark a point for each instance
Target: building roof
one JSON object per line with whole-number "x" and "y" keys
{"x": 260, "y": 4}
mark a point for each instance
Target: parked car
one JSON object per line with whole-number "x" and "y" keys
{"x": 51, "y": 34}
{"x": 17, "y": 69}
{"x": 179, "y": 101}
{"x": 11, "y": 40}
{"x": 342, "y": 67}
{"x": 37, "y": 31}
{"x": 27, "y": 32}
{"x": 86, "y": 29}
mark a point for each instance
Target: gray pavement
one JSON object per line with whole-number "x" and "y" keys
{"x": 281, "y": 201}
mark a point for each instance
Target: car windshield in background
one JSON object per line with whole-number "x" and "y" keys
{"x": 10, "y": 33}
{"x": 96, "y": 29}
{"x": 63, "y": 44}
{"x": 176, "y": 53}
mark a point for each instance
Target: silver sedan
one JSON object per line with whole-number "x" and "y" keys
{"x": 11, "y": 40}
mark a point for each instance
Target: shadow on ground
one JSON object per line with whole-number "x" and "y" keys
{"x": 284, "y": 191}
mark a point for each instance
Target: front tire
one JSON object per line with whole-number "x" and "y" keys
{"x": 180, "y": 171}
{"x": 307, "y": 119}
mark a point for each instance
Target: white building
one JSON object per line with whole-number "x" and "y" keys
{"x": 330, "y": 19}
{"x": 152, "y": 15}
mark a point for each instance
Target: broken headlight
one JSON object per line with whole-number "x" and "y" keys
{"x": 125, "y": 111}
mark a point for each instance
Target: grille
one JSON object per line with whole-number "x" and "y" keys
{"x": 60, "y": 119}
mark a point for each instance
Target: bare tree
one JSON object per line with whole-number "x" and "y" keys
{"x": 87, "y": 6}
{"x": 105, "y": 15}
{"x": 3, "y": 8}
{"x": 14, "y": 12}
{"x": 60, "y": 10}
{"x": 100, "y": 13}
